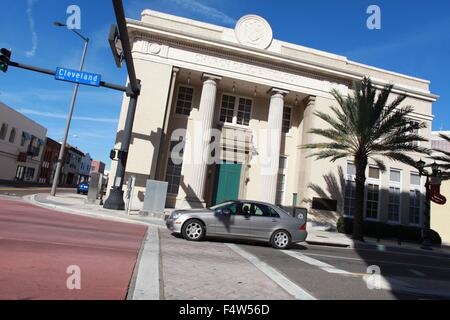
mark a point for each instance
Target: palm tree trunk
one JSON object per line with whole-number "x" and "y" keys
{"x": 358, "y": 219}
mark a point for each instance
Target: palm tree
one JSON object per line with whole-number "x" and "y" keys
{"x": 367, "y": 127}
{"x": 444, "y": 157}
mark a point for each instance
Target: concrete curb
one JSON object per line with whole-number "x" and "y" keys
{"x": 32, "y": 199}
{"x": 146, "y": 280}
{"x": 328, "y": 244}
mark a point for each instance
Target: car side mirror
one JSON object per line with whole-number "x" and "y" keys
{"x": 226, "y": 212}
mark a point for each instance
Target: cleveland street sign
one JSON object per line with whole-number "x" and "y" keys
{"x": 81, "y": 77}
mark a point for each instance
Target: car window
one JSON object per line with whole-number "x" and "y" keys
{"x": 261, "y": 210}
{"x": 246, "y": 209}
{"x": 234, "y": 208}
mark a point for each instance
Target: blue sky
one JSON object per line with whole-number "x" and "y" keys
{"x": 414, "y": 39}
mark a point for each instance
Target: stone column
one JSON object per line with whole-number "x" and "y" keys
{"x": 270, "y": 165}
{"x": 202, "y": 150}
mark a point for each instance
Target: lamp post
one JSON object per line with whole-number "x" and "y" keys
{"x": 69, "y": 117}
{"x": 435, "y": 173}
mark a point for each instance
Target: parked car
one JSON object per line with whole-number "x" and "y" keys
{"x": 240, "y": 219}
{"x": 83, "y": 188}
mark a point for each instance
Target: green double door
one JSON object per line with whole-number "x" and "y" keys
{"x": 228, "y": 178}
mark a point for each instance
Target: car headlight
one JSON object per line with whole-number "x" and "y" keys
{"x": 176, "y": 215}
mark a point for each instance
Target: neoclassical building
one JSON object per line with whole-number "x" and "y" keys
{"x": 248, "y": 101}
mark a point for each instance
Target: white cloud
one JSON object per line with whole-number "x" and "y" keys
{"x": 204, "y": 10}
{"x": 64, "y": 116}
{"x": 34, "y": 40}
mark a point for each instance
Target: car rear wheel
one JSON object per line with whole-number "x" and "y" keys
{"x": 281, "y": 239}
{"x": 193, "y": 230}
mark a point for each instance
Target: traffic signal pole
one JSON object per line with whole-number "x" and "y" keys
{"x": 115, "y": 200}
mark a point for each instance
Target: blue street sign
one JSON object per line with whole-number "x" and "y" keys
{"x": 81, "y": 77}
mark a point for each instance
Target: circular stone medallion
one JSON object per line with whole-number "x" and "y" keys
{"x": 254, "y": 31}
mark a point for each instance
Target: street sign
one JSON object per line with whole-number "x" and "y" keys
{"x": 81, "y": 77}
{"x": 116, "y": 45}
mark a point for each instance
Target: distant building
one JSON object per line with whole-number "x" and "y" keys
{"x": 440, "y": 215}
{"x": 71, "y": 168}
{"x": 85, "y": 168}
{"x": 21, "y": 146}
{"x": 97, "y": 167}
{"x": 49, "y": 161}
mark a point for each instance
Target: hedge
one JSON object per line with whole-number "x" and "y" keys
{"x": 387, "y": 231}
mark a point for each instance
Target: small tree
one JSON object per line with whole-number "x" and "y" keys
{"x": 367, "y": 127}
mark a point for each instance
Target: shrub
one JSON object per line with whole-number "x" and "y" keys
{"x": 387, "y": 231}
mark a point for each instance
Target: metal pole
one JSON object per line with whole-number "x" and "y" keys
{"x": 66, "y": 132}
{"x": 115, "y": 200}
{"x": 426, "y": 223}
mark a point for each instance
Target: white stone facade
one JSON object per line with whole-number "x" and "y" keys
{"x": 260, "y": 94}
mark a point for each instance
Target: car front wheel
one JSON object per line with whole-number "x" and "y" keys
{"x": 281, "y": 239}
{"x": 193, "y": 230}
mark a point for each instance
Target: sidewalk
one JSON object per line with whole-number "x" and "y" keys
{"x": 74, "y": 203}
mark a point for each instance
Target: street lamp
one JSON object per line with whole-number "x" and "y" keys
{"x": 435, "y": 173}
{"x": 72, "y": 104}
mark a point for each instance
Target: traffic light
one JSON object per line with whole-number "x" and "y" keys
{"x": 113, "y": 155}
{"x": 4, "y": 59}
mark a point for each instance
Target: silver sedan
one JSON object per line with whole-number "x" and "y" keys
{"x": 240, "y": 219}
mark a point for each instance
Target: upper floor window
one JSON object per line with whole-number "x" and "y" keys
{"x": 184, "y": 100}
{"x": 287, "y": 115}
{"x": 3, "y": 131}
{"x": 374, "y": 173}
{"x": 236, "y": 110}
{"x": 12, "y": 135}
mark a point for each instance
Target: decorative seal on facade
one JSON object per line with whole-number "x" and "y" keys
{"x": 254, "y": 31}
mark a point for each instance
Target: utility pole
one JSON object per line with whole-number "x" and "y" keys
{"x": 115, "y": 200}
{"x": 69, "y": 117}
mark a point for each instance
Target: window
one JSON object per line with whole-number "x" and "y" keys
{"x": 394, "y": 204}
{"x": 394, "y": 195}
{"x": 374, "y": 173}
{"x": 350, "y": 190}
{"x": 373, "y": 192}
{"x": 3, "y": 131}
{"x": 184, "y": 100}
{"x": 174, "y": 166}
{"x": 12, "y": 135}
{"x": 281, "y": 183}
{"x": 29, "y": 174}
{"x": 244, "y": 111}
{"x": 287, "y": 115}
{"x": 235, "y": 110}
{"x": 415, "y": 125}
{"x": 415, "y": 196}
{"x": 350, "y": 198}
{"x": 25, "y": 137}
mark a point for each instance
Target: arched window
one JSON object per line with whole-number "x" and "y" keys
{"x": 3, "y": 131}
{"x": 12, "y": 135}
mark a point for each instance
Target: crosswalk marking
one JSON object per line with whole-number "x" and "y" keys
{"x": 273, "y": 274}
{"x": 314, "y": 262}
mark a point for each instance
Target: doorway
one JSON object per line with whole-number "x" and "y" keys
{"x": 228, "y": 177}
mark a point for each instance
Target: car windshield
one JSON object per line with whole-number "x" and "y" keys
{"x": 222, "y": 205}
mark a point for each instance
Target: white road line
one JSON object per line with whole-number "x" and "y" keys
{"x": 417, "y": 273}
{"x": 147, "y": 285}
{"x": 378, "y": 261}
{"x": 314, "y": 262}
{"x": 273, "y": 274}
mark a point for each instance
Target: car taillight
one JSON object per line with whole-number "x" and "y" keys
{"x": 303, "y": 227}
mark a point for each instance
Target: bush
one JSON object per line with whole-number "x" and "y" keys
{"x": 387, "y": 231}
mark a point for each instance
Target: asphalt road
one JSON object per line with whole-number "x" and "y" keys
{"x": 341, "y": 273}
{"x": 39, "y": 245}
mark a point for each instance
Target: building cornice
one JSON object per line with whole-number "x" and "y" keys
{"x": 295, "y": 65}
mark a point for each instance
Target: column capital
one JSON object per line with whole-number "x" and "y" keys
{"x": 208, "y": 76}
{"x": 175, "y": 69}
{"x": 275, "y": 91}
